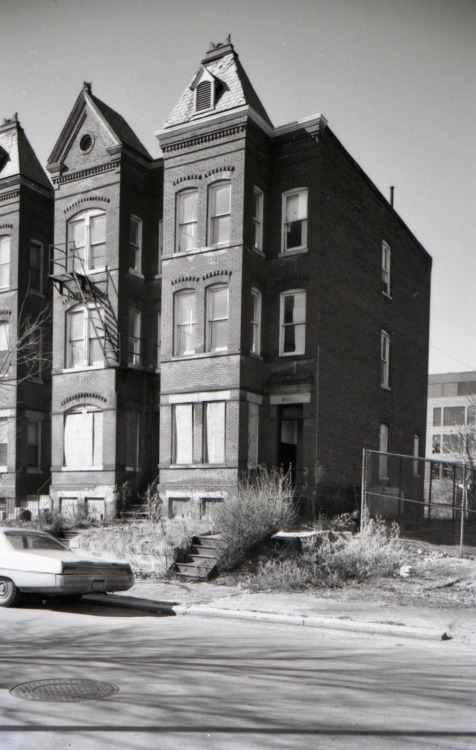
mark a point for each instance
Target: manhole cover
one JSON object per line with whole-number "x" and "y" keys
{"x": 64, "y": 690}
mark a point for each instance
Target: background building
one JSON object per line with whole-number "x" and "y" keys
{"x": 451, "y": 412}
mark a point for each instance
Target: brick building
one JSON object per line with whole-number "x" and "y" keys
{"x": 248, "y": 298}
{"x": 26, "y": 232}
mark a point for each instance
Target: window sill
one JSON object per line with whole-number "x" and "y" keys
{"x": 292, "y": 354}
{"x": 37, "y": 293}
{"x": 385, "y": 388}
{"x": 200, "y": 355}
{"x": 137, "y": 274}
{"x": 198, "y": 250}
{"x": 33, "y": 470}
{"x": 3, "y": 469}
{"x": 196, "y": 466}
{"x": 81, "y": 468}
{"x": 294, "y": 251}
{"x": 257, "y": 356}
{"x": 81, "y": 368}
{"x": 386, "y": 294}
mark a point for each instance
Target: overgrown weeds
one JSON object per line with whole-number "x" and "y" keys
{"x": 257, "y": 508}
{"x": 375, "y": 552}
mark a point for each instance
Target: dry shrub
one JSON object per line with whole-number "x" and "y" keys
{"x": 375, "y": 552}
{"x": 258, "y": 507}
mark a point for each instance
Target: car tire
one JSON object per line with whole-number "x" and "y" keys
{"x": 9, "y": 594}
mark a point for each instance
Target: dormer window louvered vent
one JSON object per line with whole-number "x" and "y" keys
{"x": 204, "y": 96}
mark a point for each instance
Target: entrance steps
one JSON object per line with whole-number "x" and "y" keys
{"x": 200, "y": 562}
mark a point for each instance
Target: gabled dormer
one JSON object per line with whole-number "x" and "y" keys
{"x": 219, "y": 86}
{"x": 17, "y": 158}
{"x": 93, "y": 134}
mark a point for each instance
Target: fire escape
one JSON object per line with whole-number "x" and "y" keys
{"x": 71, "y": 279}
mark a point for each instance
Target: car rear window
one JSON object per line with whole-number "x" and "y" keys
{"x": 22, "y": 540}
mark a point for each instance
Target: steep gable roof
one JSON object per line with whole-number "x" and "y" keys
{"x": 118, "y": 129}
{"x": 234, "y": 87}
{"x": 17, "y": 158}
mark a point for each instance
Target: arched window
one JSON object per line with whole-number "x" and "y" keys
{"x": 87, "y": 241}
{"x": 83, "y": 438}
{"x": 186, "y": 212}
{"x": 217, "y": 318}
{"x": 219, "y": 213}
{"x": 84, "y": 337}
{"x": 184, "y": 323}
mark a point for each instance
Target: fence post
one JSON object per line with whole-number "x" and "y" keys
{"x": 463, "y": 511}
{"x": 363, "y": 499}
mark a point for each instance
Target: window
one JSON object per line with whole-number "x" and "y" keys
{"x": 135, "y": 244}
{"x": 183, "y": 433}
{"x": 87, "y": 241}
{"x": 452, "y": 443}
{"x": 256, "y": 321}
{"x": 214, "y": 432}
{"x": 258, "y": 218}
{"x": 295, "y": 220}
{"x": 132, "y": 439}
{"x": 253, "y": 434}
{"x": 436, "y": 444}
{"x": 416, "y": 453}
{"x": 83, "y": 435}
{"x": 217, "y": 319}
{"x": 384, "y": 359}
{"x": 159, "y": 341}
{"x": 453, "y": 415}
{"x": 292, "y": 339}
{"x": 437, "y": 417}
{"x": 84, "y": 346}
{"x": 186, "y": 221}
{"x": 383, "y": 449}
{"x": 386, "y": 262}
{"x": 4, "y": 261}
{"x": 33, "y": 434}
{"x": 219, "y": 213}
{"x": 36, "y": 266}
{"x": 3, "y": 441}
{"x": 133, "y": 341}
{"x": 4, "y": 347}
{"x": 161, "y": 246}
{"x": 184, "y": 312}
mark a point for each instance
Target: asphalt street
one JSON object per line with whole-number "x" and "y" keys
{"x": 192, "y": 682}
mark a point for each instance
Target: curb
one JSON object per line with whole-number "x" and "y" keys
{"x": 311, "y": 621}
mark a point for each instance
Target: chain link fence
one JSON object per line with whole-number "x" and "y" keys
{"x": 433, "y": 501}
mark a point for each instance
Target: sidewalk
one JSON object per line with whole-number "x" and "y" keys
{"x": 303, "y": 609}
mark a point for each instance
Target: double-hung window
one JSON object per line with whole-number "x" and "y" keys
{"x": 36, "y": 266}
{"x": 186, "y": 221}
{"x": 217, "y": 319}
{"x": 256, "y": 321}
{"x": 5, "y": 347}
{"x": 4, "y": 261}
{"x": 295, "y": 220}
{"x": 292, "y": 339}
{"x": 258, "y": 218}
{"x": 84, "y": 346}
{"x": 384, "y": 359}
{"x": 87, "y": 241}
{"x": 215, "y": 428}
{"x": 386, "y": 266}
{"x": 219, "y": 208}
{"x": 135, "y": 244}
{"x": 134, "y": 340}
{"x": 183, "y": 433}
{"x": 184, "y": 330}
{"x": 383, "y": 450}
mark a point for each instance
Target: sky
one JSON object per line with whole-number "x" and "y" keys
{"x": 396, "y": 80}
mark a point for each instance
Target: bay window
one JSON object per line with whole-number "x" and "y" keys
{"x": 184, "y": 328}
{"x": 219, "y": 212}
{"x": 295, "y": 220}
{"x": 186, "y": 221}
{"x": 217, "y": 319}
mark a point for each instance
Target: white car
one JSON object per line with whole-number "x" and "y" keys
{"x": 33, "y": 562}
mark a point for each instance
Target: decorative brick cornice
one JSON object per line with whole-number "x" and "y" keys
{"x": 181, "y": 279}
{"x": 9, "y": 196}
{"x": 86, "y": 173}
{"x": 6, "y": 226}
{"x": 83, "y": 397}
{"x": 87, "y": 199}
{"x": 5, "y": 312}
{"x": 206, "y": 138}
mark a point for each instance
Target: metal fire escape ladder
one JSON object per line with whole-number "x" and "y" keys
{"x": 70, "y": 278}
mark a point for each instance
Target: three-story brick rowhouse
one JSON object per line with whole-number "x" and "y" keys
{"x": 295, "y": 302}
{"x": 26, "y": 231}
{"x": 104, "y": 267}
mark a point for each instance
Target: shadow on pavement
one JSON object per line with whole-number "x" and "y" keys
{"x": 101, "y": 606}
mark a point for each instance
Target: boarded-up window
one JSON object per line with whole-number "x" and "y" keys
{"x": 183, "y": 434}
{"x": 215, "y": 432}
{"x": 83, "y": 431}
{"x": 253, "y": 433}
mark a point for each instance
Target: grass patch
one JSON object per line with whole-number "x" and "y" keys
{"x": 375, "y": 552}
